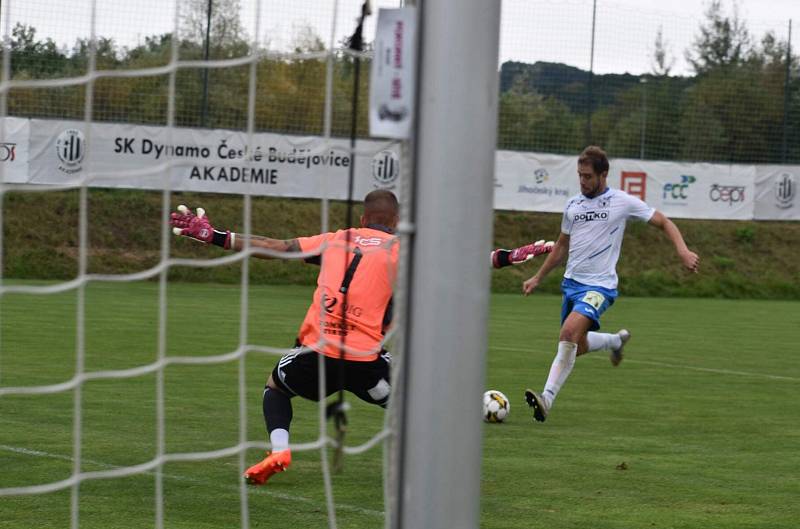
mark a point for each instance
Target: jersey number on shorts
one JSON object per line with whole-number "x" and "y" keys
{"x": 595, "y": 299}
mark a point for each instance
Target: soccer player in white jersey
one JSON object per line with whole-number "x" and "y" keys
{"x": 591, "y": 235}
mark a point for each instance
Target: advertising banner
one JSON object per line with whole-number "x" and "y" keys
{"x": 541, "y": 182}
{"x": 219, "y": 161}
{"x": 527, "y": 181}
{"x": 688, "y": 190}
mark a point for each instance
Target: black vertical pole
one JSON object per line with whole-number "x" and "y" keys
{"x": 338, "y": 409}
{"x": 643, "y": 85}
{"x": 785, "y": 143}
{"x": 204, "y": 110}
{"x": 589, "y": 94}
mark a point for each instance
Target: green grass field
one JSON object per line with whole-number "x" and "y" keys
{"x": 698, "y": 428}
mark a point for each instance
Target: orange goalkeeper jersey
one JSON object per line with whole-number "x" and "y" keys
{"x": 354, "y": 290}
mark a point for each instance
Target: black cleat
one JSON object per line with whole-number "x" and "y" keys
{"x": 538, "y": 404}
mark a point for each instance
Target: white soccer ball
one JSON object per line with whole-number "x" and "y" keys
{"x": 495, "y": 406}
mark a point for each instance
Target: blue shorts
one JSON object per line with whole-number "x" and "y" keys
{"x": 586, "y": 300}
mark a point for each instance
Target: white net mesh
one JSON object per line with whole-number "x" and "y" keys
{"x": 68, "y": 401}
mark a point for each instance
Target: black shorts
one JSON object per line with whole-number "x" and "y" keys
{"x": 297, "y": 373}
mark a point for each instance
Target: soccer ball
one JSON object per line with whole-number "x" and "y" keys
{"x": 495, "y": 406}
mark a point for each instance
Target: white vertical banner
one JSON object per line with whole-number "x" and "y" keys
{"x": 776, "y": 192}
{"x": 391, "y": 96}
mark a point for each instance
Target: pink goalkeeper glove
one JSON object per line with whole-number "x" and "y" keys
{"x": 523, "y": 254}
{"x": 198, "y": 227}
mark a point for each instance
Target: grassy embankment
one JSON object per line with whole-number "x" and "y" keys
{"x": 740, "y": 259}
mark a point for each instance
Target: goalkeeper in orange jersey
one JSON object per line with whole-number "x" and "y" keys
{"x": 350, "y": 312}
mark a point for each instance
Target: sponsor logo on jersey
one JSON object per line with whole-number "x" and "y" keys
{"x": 785, "y": 190}
{"x": 368, "y": 241}
{"x": 590, "y": 216}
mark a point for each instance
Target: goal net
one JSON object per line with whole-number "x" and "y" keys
{"x": 129, "y": 396}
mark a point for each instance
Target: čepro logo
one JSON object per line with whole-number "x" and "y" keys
{"x": 678, "y": 193}
{"x": 726, "y": 194}
{"x": 70, "y": 148}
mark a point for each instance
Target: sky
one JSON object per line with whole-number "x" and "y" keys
{"x": 531, "y": 30}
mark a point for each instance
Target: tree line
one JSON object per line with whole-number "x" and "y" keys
{"x": 742, "y": 103}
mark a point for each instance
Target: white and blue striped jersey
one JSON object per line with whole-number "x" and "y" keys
{"x": 595, "y": 227}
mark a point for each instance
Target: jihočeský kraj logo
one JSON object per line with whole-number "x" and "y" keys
{"x": 385, "y": 169}
{"x": 540, "y": 175}
{"x": 785, "y": 190}
{"x": 70, "y": 148}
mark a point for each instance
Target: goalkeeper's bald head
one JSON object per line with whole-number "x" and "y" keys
{"x": 381, "y": 207}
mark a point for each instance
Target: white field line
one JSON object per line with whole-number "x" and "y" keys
{"x": 598, "y": 355}
{"x": 260, "y": 490}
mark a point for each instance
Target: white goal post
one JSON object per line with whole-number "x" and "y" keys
{"x": 440, "y": 448}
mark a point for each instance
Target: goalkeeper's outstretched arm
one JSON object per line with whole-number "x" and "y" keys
{"x": 501, "y": 258}
{"x": 197, "y": 226}
{"x": 559, "y": 251}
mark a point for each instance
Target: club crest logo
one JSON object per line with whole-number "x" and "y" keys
{"x": 785, "y": 190}
{"x": 70, "y": 148}
{"x": 385, "y": 169}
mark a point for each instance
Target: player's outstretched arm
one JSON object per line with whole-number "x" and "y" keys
{"x": 197, "y": 226}
{"x": 554, "y": 258}
{"x": 502, "y": 258}
{"x": 690, "y": 260}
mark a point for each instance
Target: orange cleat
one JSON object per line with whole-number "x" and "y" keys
{"x": 275, "y": 462}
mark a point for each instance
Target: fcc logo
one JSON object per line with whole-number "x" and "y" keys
{"x": 785, "y": 190}
{"x": 70, "y": 148}
{"x": 385, "y": 169}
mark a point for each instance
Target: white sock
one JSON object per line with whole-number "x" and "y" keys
{"x": 559, "y": 370}
{"x": 279, "y": 438}
{"x": 603, "y": 341}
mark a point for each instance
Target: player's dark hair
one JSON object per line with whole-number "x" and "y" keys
{"x": 595, "y": 156}
{"x": 381, "y": 207}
